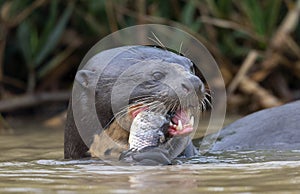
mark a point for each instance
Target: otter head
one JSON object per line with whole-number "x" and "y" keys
{"x": 150, "y": 81}
{"x": 126, "y": 76}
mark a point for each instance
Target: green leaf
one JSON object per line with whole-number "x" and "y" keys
{"x": 188, "y": 12}
{"x": 50, "y": 23}
{"x": 225, "y": 7}
{"x": 54, "y": 62}
{"x": 54, "y": 36}
{"x": 34, "y": 40}
{"x": 23, "y": 36}
{"x": 271, "y": 15}
{"x": 253, "y": 9}
{"x": 221, "y": 9}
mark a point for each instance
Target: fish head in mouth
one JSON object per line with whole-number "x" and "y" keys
{"x": 177, "y": 123}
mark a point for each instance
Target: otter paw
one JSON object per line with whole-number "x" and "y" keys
{"x": 147, "y": 157}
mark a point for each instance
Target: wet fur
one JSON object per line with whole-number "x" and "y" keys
{"x": 122, "y": 58}
{"x": 275, "y": 128}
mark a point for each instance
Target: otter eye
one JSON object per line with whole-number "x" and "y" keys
{"x": 158, "y": 75}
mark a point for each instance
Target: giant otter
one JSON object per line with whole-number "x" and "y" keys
{"x": 275, "y": 128}
{"x": 131, "y": 74}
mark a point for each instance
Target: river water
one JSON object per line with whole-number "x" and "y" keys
{"x": 31, "y": 161}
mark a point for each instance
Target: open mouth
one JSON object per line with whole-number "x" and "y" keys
{"x": 181, "y": 121}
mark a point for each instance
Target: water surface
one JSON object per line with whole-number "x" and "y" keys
{"x": 31, "y": 161}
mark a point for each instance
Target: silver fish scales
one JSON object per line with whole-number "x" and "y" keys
{"x": 147, "y": 129}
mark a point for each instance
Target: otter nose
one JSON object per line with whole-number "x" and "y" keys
{"x": 185, "y": 88}
{"x": 193, "y": 84}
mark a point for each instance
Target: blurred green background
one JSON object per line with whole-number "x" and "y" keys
{"x": 256, "y": 44}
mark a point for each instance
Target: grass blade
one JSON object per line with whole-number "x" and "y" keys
{"x": 54, "y": 36}
{"x": 23, "y": 35}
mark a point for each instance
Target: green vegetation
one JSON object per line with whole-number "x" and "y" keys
{"x": 43, "y": 41}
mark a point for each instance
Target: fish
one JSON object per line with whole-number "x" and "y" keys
{"x": 148, "y": 129}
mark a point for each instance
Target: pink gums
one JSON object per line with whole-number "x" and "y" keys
{"x": 187, "y": 127}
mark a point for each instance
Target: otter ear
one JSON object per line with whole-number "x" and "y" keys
{"x": 85, "y": 78}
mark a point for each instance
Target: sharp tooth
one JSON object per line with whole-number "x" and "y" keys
{"x": 170, "y": 124}
{"x": 192, "y": 121}
{"x": 179, "y": 127}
